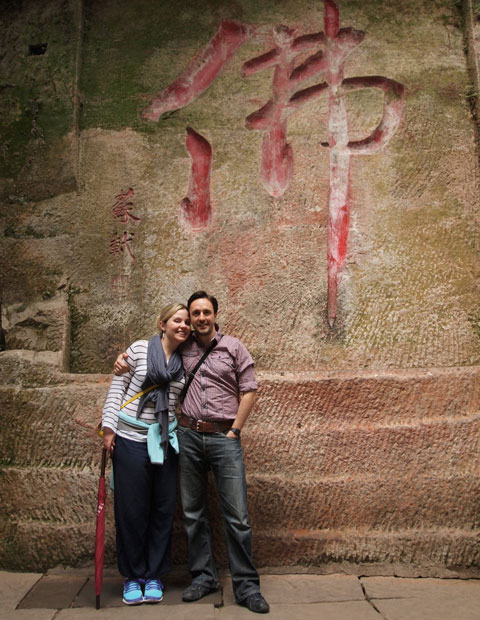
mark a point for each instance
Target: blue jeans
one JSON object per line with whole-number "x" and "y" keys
{"x": 200, "y": 452}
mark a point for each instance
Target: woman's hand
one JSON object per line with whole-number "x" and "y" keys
{"x": 120, "y": 366}
{"x": 108, "y": 440}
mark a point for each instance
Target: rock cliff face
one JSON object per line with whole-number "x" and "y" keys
{"x": 124, "y": 187}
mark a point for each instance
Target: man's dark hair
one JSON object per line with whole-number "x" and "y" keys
{"x": 203, "y": 295}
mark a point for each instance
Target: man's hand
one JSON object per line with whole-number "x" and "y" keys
{"x": 108, "y": 440}
{"x": 120, "y": 367}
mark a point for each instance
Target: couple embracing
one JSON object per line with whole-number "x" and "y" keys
{"x": 191, "y": 364}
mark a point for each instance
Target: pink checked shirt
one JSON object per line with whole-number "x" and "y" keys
{"x": 228, "y": 370}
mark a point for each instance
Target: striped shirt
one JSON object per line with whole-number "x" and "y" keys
{"x": 126, "y": 386}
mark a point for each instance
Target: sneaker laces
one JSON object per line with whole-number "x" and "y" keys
{"x": 131, "y": 584}
{"x": 153, "y": 584}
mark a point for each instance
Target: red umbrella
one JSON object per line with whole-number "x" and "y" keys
{"x": 100, "y": 530}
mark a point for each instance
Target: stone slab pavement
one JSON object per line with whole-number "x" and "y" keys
{"x": 69, "y": 595}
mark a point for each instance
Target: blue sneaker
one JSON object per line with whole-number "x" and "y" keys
{"x": 132, "y": 592}
{"x": 153, "y": 591}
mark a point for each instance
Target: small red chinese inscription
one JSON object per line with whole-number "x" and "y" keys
{"x": 123, "y": 206}
{"x": 122, "y": 212}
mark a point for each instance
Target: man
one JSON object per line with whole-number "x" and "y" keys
{"x": 216, "y": 406}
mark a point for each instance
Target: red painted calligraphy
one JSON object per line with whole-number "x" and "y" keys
{"x": 277, "y": 158}
{"x": 122, "y": 211}
{"x": 195, "y": 209}
{"x": 122, "y": 208}
{"x": 120, "y": 243}
{"x": 335, "y": 45}
{"x": 202, "y": 71}
{"x": 330, "y": 50}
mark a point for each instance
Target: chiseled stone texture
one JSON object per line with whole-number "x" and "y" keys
{"x": 363, "y": 471}
{"x": 409, "y": 293}
{"x": 351, "y": 464}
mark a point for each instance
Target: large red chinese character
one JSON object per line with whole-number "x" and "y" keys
{"x": 331, "y": 49}
{"x": 335, "y": 45}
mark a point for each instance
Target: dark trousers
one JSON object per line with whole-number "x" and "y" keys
{"x": 145, "y": 497}
{"x": 198, "y": 453}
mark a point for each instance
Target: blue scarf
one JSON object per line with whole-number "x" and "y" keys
{"x": 160, "y": 373}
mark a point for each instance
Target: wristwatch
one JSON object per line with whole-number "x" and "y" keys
{"x": 236, "y": 431}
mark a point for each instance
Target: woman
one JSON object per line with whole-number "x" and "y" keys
{"x": 138, "y": 425}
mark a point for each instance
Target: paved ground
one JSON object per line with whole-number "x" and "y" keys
{"x": 69, "y": 595}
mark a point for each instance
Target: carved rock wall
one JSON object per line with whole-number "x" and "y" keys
{"x": 371, "y": 472}
{"x": 363, "y": 451}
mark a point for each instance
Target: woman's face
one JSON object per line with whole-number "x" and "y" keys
{"x": 177, "y": 328}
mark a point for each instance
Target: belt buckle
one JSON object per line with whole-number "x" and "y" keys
{"x": 197, "y": 425}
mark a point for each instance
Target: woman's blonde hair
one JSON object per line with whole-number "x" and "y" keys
{"x": 167, "y": 312}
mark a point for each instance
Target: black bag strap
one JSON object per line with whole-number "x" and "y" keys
{"x": 191, "y": 374}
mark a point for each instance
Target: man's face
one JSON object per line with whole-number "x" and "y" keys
{"x": 202, "y": 317}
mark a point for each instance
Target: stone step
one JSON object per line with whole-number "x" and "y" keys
{"x": 57, "y": 427}
{"x": 365, "y": 398}
{"x": 445, "y": 446}
{"x": 376, "y": 503}
{"x": 67, "y": 496}
{"x": 438, "y": 552}
{"x": 416, "y": 551}
{"x": 382, "y": 452}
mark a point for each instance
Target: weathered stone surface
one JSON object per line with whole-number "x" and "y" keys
{"x": 38, "y": 67}
{"x": 305, "y": 589}
{"x": 13, "y": 588}
{"x": 53, "y": 592}
{"x": 364, "y": 500}
{"x": 364, "y": 452}
{"x": 435, "y": 609}
{"x": 389, "y": 587}
{"x": 148, "y": 612}
{"x": 30, "y": 614}
{"x": 435, "y": 553}
{"x": 30, "y": 368}
{"x": 407, "y": 599}
{"x": 356, "y": 610}
{"x": 408, "y": 296}
{"x": 319, "y": 463}
{"x": 412, "y": 450}
{"x": 43, "y": 326}
{"x": 364, "y": 398}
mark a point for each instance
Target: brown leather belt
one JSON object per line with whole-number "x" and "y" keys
{"x": 202, "y": 426}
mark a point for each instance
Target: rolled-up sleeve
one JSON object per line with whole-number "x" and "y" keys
{"x": 245, "y": 371}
